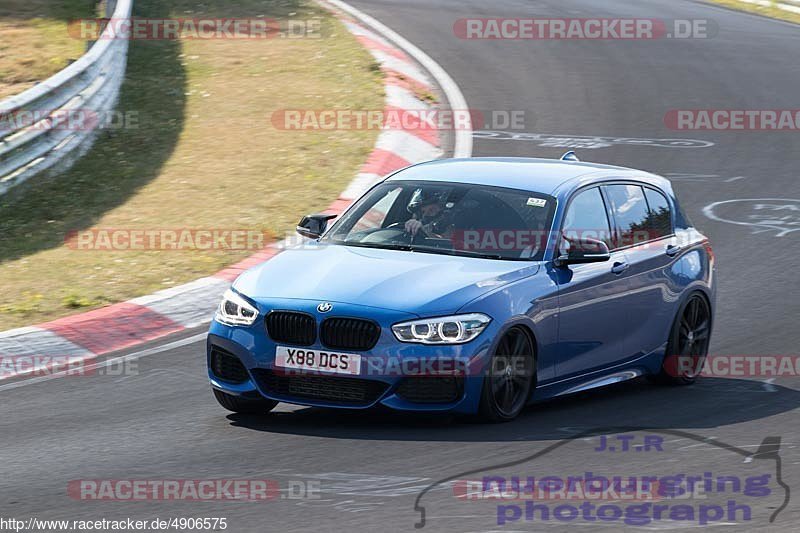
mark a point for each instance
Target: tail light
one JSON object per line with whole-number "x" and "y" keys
{"x": 710, "y": 252}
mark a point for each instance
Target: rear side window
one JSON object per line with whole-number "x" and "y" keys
{"x": 630, "y": 212}
{"x": 586, "y": 217}
{"x": 660, "y": 217}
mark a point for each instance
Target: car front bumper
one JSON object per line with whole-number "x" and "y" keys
{"x": 397, "y": 375}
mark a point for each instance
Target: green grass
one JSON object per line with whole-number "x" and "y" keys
{"x": 205, "y": 155}
{"x": 34, "y": 41}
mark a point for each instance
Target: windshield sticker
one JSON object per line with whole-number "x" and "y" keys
{"x": 537, "y": 202}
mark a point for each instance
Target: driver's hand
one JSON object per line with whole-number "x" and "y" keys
{"x": 413, "y": 226}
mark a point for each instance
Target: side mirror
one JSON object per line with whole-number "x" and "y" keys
{"x": 313, "y": 226}
{"x": 584, "y": 251}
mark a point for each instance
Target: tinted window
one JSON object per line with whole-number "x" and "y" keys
{"x": 449, "y": 218}
{"x": 630, "y": 212}
{"x": 376, "y": 215}
{"x": 586, "y": 217}
{"x": 660, "y": 219}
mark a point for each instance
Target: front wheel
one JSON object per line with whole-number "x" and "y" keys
{"x": 688, "y": 343}
{"x": 244, "y": 405}
{"x": 507, "y": 385}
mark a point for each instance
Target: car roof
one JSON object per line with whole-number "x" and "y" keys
{"x": 548, "y": 176}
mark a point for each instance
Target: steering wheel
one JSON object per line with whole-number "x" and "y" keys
{"x": 401, "y": 225}
{"x": 389, "y": 234}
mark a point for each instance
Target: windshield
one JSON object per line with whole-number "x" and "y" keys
{"x": 449, "y": 218}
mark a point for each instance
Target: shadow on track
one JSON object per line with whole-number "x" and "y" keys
{"x": 710, "y": 403}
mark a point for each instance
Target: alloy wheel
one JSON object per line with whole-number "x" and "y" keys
{"x": 511, "y": 373}
{"x": 694, "y": 334}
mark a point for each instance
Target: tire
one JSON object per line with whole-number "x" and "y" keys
{"x": 510, "y": 378}
{"x": 687, "y": 347}
{"x": 242, "y": 405}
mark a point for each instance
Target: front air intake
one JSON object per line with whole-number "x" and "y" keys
{"x": 429, "y": 389}
{"x": 227, "y": 367}
{"x": 314, "y": 387}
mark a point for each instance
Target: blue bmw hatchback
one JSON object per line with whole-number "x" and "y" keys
{"x": 473, "y": 286}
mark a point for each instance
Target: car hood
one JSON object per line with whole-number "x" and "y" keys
{"x": 412, "y": 282}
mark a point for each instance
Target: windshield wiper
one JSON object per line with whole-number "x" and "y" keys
{"x": 432, "y": 250}
{"x": 380, "y": 246}
{"x": 467, "y": 253}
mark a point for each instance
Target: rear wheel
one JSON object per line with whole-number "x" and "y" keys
{"x": 507, "y": 385}
{"x": 243, "y": 405}
{"x": 688, "y": 343}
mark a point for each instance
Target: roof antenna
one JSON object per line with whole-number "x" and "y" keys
{"x": 570, "y": 156}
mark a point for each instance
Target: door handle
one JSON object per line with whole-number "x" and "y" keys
{"x": 672, "y": 250}
{"x": 619, "y": 268}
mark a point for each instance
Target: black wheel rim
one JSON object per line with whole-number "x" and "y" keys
{"x": 694, "y": 334}
{"x": 511, "y": 372}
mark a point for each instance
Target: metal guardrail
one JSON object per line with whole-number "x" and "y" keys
{"x": 89, "y": 85}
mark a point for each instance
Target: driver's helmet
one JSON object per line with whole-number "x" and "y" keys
{"x": 423, "y": 197}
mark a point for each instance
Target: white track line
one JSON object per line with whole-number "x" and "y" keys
{"x": 463, "y": 136}
{"x": 107, "y": 362}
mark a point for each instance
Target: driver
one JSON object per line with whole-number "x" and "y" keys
{"x": 430, "y": 216}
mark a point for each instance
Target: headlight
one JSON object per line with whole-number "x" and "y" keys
{"x": 234, "y": 310}
{"x": 456, "y": 329}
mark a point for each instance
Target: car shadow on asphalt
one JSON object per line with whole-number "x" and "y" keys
{"x": 710, "y": 403}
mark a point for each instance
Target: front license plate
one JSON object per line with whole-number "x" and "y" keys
{"x": 320, "y": 360}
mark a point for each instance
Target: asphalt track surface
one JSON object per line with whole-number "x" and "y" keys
{"x": 162, "y": 422}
